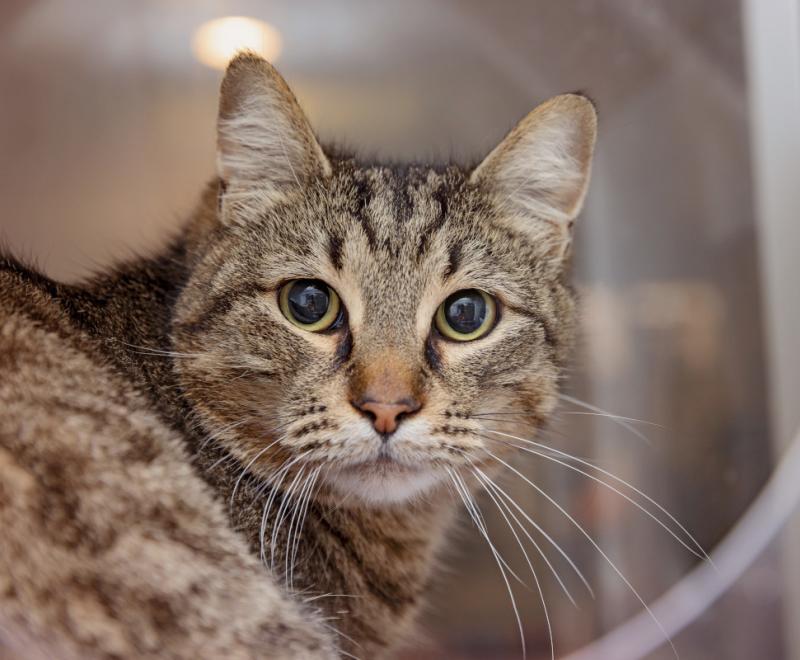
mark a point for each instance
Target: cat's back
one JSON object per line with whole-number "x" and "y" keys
{"x": 31, "y": 319}
{"x": 112, "y": 546}
{"x": 55, "y": 381}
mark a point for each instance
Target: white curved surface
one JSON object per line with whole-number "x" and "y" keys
{"x": 696, "y": 592}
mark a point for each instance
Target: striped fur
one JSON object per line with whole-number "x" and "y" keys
{"x": 162, "y": 421}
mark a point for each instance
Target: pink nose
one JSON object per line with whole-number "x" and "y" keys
{"x": 386, "y": 416}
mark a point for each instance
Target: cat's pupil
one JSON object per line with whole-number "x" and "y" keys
{"x": 465, "y": 311}
{"x": 308, "y": 300}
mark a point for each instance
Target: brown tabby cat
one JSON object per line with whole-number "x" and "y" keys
{"x": 298, "y": 379}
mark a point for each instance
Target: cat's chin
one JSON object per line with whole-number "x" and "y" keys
{"x": 383, "y": 482}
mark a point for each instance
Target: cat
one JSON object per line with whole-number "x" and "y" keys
{"x": 300, "y": 380}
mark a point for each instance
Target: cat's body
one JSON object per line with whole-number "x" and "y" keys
{"x": 163, "y": 428}
{"x": 112, "y": 545}
{"x": 76, "y": 355}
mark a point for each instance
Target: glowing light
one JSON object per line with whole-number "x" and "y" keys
{"x": 217, "y": 41}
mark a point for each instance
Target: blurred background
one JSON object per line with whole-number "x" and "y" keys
{"x": 107, "y": 113}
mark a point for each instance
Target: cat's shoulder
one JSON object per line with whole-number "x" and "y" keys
{"x": 38, "y": 337}
{"x": 25, "y": 290}
{"x": 118, "y": 547}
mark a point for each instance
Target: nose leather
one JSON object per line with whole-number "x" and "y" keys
{"x": 386, "y": 416}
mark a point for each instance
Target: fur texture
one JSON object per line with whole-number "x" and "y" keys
{"x": 165, "y": 426}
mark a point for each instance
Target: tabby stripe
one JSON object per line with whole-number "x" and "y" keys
{"x": 440, "y": 196}
{"x": 392, "y": 595}
{"x": 549, "y": 335}
{"x": 343, "y": 350}
{"x": 335, "y": 244}
{"x": 363, "y": 200}
{"x": 403, "y": 204}
{"x": 453, "y": 260}
{"x": 433, "y": 357}
{"x": 221, "y": 304}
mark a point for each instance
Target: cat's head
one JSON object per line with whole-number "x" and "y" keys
{"x": 370, "y": 323}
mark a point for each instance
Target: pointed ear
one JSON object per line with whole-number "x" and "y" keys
{"x": 539, "y": 173}
{"x": 265, "y": 144}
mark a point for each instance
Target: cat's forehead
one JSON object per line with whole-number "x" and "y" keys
{"x": 395, "y": 205}
{"x": 391, "y": 233}
{"x": 395, "y": 228}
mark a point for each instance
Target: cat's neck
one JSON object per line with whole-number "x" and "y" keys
{"x": 369, "y": 569}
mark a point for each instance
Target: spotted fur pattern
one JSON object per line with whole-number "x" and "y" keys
{"x": 165, "y": 426}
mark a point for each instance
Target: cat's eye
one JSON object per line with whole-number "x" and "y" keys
{"x": 310, "y": 304}
{"x": 466, "y": 315}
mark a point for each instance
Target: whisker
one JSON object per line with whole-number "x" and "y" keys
{"x": 287, "y": 502}
{"x": 539, "y": 529}
{"x": 343, "y": 636}
{"x": 595, "y": 545}
{"x": 277, "y": 480}
{"x": 611, "y": 416}
{"x": 505, "y": 413}
{"x": 498, "y": 504}
{"x": 247, "y": 467}
{"x": 649, "y": 514}
{"x": 226, "y": 457}
{"x": 311, "y": 599}
{"x": 700, "y": 553}
{"x": 302, "y": 522}
{"x": 148, "y": 350}
{"x": 615, "y": 418}
{"x": 283, "y": 512}
{"x": 470, "y": 505}
{"x": 480, "y": 523}
{"x": 216, "y": 434}
{"x": 290, "y": 531}
{"x": 279, "y": 476}
{"x": 293, "y": 541}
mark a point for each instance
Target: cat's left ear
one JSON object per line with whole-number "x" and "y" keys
{"x": 265, "y": 145}
{"x": 539, "y": 173}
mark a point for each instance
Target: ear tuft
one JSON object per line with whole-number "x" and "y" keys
{"x": 264, "y": 140}
{"x": 540, "y": 172}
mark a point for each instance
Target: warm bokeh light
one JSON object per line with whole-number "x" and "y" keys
{"x": 217, "y": 41}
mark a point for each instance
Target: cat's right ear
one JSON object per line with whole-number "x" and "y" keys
{"x": 265, "y": 145}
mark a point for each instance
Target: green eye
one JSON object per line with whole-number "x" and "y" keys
{"x": 466, "y": 315}
{"x": 310, "y": 304}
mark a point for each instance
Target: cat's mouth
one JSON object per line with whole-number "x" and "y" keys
{"x": 383, "y": 479}
{"x": 384, "y": 463}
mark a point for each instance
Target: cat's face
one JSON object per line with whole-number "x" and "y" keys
{"x": 371, "y": 325}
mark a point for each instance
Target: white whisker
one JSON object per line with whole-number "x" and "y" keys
{"x": 595, "y": 545}
{"x": 247, "y": 467}
{"x": 500, "y": 506}
{"x": 463, "y": 492}
{"x": 309, "y": 498}
{"x": 283, "y": 509}
{"x": 699, "y": 552}
{"x": 216, "y": 434}
{"x": 293, "y": 539}
{"x": 311, "y": 599}
{"x": 343, "y": 636}
{"x": 296, "y": 504}
{"x": 276, "y": 482}
{"x": 615, "y": 418}
{"x": 539, "y": 529}
{"x": 612, "y": 416}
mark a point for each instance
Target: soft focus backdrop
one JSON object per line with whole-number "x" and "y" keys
{"x": 107, "y": 134}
